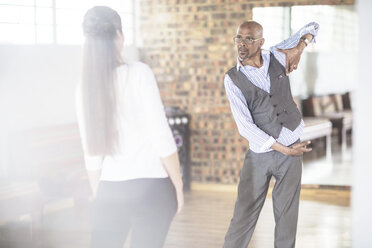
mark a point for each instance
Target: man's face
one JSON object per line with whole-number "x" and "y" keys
{"x": 246, "y": 50}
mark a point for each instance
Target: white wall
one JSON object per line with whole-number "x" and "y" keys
{"x": 36, "y": 89}
{"x": 322, "y": 73}
{"x": 361, "y": 195}
{"x": 37, "y": 84}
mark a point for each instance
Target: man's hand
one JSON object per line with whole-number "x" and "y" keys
{"x": 299, "y": 149}
{"x": 294, "y": 150}
{"x": 293, "y": 56}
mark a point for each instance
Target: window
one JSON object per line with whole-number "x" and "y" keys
{"x": 56, "y": 21}
{"x": 336, "y": 45}
{"x": 275, "y": 22}
{"x": 338, "y": 25}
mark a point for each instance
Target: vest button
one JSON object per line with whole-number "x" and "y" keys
{"x": 275, "y": 105}
{"x": 281, "y": 123}
{"x": 277, "y": 114}
{"x": 270, "y": 95}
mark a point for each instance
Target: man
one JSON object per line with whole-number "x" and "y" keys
{"x": 266, "y": 115}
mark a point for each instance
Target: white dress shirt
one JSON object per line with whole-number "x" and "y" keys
{"x": 144, "y": 133}
{"x": 259, "y": 141}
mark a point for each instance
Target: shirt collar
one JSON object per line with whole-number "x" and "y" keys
{"x": 264, "y": 54}
{"x": 238, "y": 64}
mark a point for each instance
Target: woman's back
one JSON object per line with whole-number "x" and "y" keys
{"x": 129, "y": 150}
{"x": 143, "y": 132}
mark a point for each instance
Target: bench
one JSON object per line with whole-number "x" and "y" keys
{"x": 335, "y": 107}
{"x": 45, "y": 164}
{"x": 315, "y": 128}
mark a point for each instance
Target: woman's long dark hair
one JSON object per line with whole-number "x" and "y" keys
{"x": 100, "y": 59}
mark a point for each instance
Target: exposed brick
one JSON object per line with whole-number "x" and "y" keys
{"x": 188, "y": 44}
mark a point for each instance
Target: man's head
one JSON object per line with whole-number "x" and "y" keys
{"x": 249, "y": 39}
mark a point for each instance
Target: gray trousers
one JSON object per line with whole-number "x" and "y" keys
{"x": 252, "y": 190}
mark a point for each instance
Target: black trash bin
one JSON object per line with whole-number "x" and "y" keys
{"x": 178, "y": 121}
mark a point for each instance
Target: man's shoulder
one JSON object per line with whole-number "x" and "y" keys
{"x": 229, "y": 74}
{"x": 231, "y": 69}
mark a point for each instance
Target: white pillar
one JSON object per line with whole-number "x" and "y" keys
{"x": 362, "y": 153}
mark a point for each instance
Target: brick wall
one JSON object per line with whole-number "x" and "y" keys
{"x": 188, "y": 44}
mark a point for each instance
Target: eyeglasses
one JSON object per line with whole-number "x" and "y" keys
{"x": 247, "y": 41}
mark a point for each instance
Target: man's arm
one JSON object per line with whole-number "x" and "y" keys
{"x": 294, "y": 150}
{"x": 288, "y": 52}
{"x": 293, "y": 55}
{"x": 257, "y": 138}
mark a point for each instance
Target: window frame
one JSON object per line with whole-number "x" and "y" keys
{"x": 53, "y": 24}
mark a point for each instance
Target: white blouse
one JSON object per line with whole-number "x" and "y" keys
{"x": 144, "y": 133}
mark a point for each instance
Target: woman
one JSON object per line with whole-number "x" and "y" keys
{"x": 128, "y": 146}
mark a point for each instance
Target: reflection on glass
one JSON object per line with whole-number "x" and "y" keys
{"x": 339, "y": 25}
{"x": 44, "y": 34}
{"x": 17, "y": 33}
{"x": 17, "y": 2}
{"x": 9, "y": 30}
{"x": 44, "y": 16}
{"x": 127, "y": 20}
{"x": 72, "y": 4}
{"x": 44, "y": 3}
{"x": 69, "y": 34}
{"x": 69, "y": 17}
{"x": 273, "y": 21}
{"x": 38, "y": 16}
{"x": 115, "y": 4}
{"x": 16, "y": 14}
{"x": 128, "y": 32}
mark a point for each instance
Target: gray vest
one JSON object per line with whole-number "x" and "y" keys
{"x": 270, "y": 111}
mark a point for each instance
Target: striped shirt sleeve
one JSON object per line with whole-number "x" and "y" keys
{"x": 258, "y": 139}
{"x": 291, "y": 42}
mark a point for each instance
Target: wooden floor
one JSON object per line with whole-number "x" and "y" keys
{"x": 324, "y": 221}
